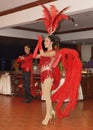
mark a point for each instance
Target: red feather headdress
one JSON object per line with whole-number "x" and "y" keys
{"x": 52, "y": 17}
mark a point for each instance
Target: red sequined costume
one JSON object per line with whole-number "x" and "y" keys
{"x": 48, "y": 71}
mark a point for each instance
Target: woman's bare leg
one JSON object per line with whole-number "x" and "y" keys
{"x": 46, "y": 91}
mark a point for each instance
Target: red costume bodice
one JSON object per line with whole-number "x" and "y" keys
{"x": 46, "y": 67}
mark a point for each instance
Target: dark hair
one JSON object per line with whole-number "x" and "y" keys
{"x": 91, "y": 58}
{"x": 55, "y": 40}
{"x": 27, "y": 45}
{"x": 56, "y": 46}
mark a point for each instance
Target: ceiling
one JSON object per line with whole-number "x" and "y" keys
{"x": 10, "y": 4}
{"x": 82, "y": 21}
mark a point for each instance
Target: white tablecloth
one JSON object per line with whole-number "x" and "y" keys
{"x": 5, "y": 84}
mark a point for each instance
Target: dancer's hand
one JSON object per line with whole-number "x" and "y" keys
{"x": 38, "y": 47}
{"x": 21, "y": 57}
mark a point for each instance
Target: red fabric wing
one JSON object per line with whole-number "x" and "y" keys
{"x": 69, "y": 89}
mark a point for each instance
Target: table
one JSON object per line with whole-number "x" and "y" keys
{"x": 5, "y": 84}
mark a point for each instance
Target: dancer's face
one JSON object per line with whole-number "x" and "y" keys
{"x": 27, "y": 49}
{"x": 47, "y": 42}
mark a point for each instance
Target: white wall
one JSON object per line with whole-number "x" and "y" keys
{"x": 86, "y": 52}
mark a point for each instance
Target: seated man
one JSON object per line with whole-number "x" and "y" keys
{"x": 89, "y": 64}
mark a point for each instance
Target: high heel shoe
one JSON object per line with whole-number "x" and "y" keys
{"x": 53, "y": 114}
{"x": 46, "y": 120}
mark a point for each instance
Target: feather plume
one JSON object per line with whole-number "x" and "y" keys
{"x": 52, "y": 17}
{"x": 47, "y": 18}
{"x": 73, "y": 21}
{"x": 53, "y": 11}
{"x": 59, "y": 17}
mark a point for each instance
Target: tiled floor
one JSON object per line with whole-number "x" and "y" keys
{"x": 16, "y": 115}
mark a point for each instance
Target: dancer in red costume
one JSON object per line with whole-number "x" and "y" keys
{"x": 26, "y": 66}
{"x": 48, "y": 76}
{"x": 49, "y": 62}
